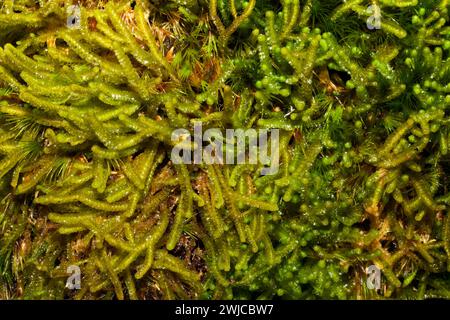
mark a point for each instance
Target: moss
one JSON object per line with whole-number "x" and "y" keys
{"x": 87, "y": 115}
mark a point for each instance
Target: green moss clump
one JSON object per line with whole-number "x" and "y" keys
{"x": 90, "y": 96}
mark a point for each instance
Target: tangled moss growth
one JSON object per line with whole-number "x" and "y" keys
{"x": 87, "y": 113}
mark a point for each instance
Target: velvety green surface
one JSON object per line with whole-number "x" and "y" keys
{"x": 86, "y": 117}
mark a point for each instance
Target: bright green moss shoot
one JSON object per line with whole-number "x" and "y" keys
{"x": 86, "y": 116}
